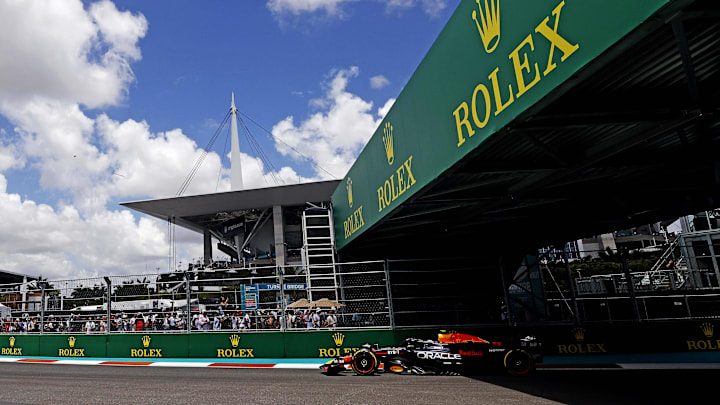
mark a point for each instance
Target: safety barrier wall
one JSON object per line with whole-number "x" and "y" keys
{"x": 564, "y": 340}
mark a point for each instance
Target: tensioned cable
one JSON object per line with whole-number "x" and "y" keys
{"x": 222, "y": 157}
{"x": 202, "y": 156}
{"x": 274, "y": 173}
{"x": 286, "y": 144}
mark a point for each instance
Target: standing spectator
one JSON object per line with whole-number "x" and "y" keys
{"x": 166, "y": 322}
{"x": 216, "y": 322}
{"x": 171, "y": 321}
{"x": 316, "y": 318}
{"x": 331, "y": 320}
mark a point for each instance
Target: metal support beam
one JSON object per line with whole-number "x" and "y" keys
{"x": 506, "y": 297}
{"x": 631, "y": 287}
{"x": 207, "y": 248}
{"x": 571, "y": 284}
{"x": 693, "y": 89}
{"x": 279, "y": 232}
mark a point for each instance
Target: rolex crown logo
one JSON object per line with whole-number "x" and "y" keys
{"x": 71, "y": 341}
{"x": 489, "y": 24}
{"x": 338, "y": 338}
{"x": 579, "y": 334}
{"x": 12, "y": 341}
{"x": 708, "y": 329}
{"x": 388, "y": 142}
{"x": 349, "y": 191}
{"x": 234, "y": 340}
{"x": 146, "y": 341}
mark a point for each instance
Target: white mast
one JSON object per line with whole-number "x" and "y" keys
{"x": 236, "y": 180}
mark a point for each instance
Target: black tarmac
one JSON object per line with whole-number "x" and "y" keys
{"x": 61, "y": 384}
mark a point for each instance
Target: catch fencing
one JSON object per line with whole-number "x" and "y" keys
{"x": 242, "y": 299}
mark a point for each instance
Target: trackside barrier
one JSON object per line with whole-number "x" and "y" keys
{"x": 687, "y": 337}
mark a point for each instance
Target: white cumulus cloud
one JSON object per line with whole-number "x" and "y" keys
{"x": 334, "y": 135}
{"x": 335, "y": 7}
{"x": 379, "y": 81}
{"x": 59, "y": 50}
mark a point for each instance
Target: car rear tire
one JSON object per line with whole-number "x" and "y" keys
{"x": 364, "y": 362}
{"x": 518, "y": 362}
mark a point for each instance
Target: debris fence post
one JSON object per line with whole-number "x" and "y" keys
{"x": 281, "y": 281}
{"x": 391, "y": 312}
{"x": 188, "y": 315}
{"x": 42, "y": 308}
{"x": 108, "y": 300}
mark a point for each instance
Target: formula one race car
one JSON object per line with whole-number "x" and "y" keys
{"x": 451, "y": 354}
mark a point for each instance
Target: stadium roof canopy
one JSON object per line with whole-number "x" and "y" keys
{"x": 198, "y": 212}
{"x": 536, "y": 121}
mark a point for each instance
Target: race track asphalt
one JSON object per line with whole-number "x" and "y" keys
{"x": 64, "y": 384}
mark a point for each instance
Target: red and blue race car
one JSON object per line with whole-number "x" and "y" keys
{"x": 451, "y": 354}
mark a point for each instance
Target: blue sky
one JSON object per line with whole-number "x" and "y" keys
{"x": 102, "y": 102}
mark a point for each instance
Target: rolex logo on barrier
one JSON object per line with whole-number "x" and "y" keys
{"x": 72, "y": 351}
{"x": 234, "y": 340}
{"x": 708, "y": 330}
{"x": 235, "y": 351}
{"x": 337, "y": 351}
{"x": 489, "y": 23}
{"x": 146, "y": 351}
{"x": 581, "y": 346}
{"x": 388, "y": 142}
{"x": 12, "y": 350}
{"x": 579, "y": 334}
{"x": 338, "y": 338}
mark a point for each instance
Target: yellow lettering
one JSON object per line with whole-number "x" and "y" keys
{"x": 460, "y": 123}
{"x": 499, "y": 106}
{"x": 221, "y": 353}
{"x": 486, "y": 95}
{"x": 387, "y": 193}
{"x": 411, "y": 178}
{"x": 134, "y": 353}
{"x": 691, "y": 345}
{"x": 323, "y": 353}
{"x": 555, "y": 39}
{"x": 401, "y": 179}
{"x": 562, "y": 349}
{"x": 524, "y": 66}
{"x": 381, "y": 200}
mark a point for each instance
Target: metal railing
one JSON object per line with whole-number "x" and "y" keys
{"x": 257, "y": 299}
{"x": 651, "y": 308}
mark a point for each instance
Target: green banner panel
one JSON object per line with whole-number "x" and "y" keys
{"x": 148, "y": 346}
{"x": 19, "y": 345}
{"x": 73, "y": 345}
{"x": 333, "y": 343}
{"x": 493, "y": 60}
{"x": 237, "y": 345}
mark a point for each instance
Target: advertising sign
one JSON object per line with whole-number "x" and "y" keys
{"x": 493, "y": 60}
{"x": 249, "y": 295}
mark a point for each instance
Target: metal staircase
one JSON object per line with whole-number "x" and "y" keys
{"x": 661, "y": 278}
{"x": 319, "y": 253}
